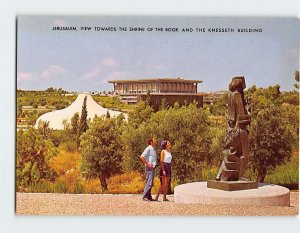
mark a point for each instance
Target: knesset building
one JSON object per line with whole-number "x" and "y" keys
{"x": 172, "y": 90}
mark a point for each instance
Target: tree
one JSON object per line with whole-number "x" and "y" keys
{"x": 270, "y": 143}
{"x": 44, "y": 129}
{"x": 297, "y": 79}
{"x": 75, "y": 123}
{"x": 68, "y": 137}
{"x": 83, "y": 126}
{"x": 50, "y": 89}
{"x": 101, "y": 149}
{"x": 290, "y": 97}
{"x": 43, "y": 102}
{"x": 187, "y": 129}
{"x": 20, "y": 111}
{"x": 107, "y": 114}
{"x": 141, "y": 113}
{"x": 263, "y": 98}
{"x": 291, "y": 115}
{"x": 164, "y": 104}
{"x": 33, "y": 156}
{"x": 219, "y": 106}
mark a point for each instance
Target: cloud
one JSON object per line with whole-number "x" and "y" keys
{"x": 104, "y": 66}
{"x": 60, "y": 23}
{"x": 117, "y": 75}
{"x": 94, "y": 72}
{"x": 110, "y": 61}
{"x": 52, "y": 71}
{"x": 26, "y": 76}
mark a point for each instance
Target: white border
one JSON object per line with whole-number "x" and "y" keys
{"x": 12, "y": 223}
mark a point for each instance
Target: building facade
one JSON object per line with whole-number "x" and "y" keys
{"x": 155, "y": 86}
{"x": 171, "y": 89}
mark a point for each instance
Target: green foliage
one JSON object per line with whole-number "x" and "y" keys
{"x": 274, "y": 128}
{"x": 107, "y": 114}
{"x": 113, "y": 103}
{"x": 68, "y": 139}
{"x": 41, "y": 187}
{"x": 291, "y": 115}
{"x": 134, "y": 142}
{"x": 83, "y": 126}
{"x": 75, "y": 123}
{"x": 270, "y": 143}
{"x": 141, "y": 113}
{"x": 218, "y": 108}
{"x": 44, "y": 129}
{"x": 33, "y": 155}
{"x": 297, "y": 79}
{"x": 291, "y": 97}
{"x": 287, "y": 174}
{"x": 187, "y": 129}
{"x": 110, "y": 146}
{"x": 101, "y": 149}
{"x": 263, "y": 98}
{"x": 56, "y": 137}
{"x": 164, "y": 104}
{"x": 79, "y": 188}
{"x": 49, "y": 97}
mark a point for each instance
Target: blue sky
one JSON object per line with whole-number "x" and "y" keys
{"x": 86, "y": 60}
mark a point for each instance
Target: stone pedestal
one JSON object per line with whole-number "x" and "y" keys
{"x": 264, "y": 195}
{"x": 232, "y": 185}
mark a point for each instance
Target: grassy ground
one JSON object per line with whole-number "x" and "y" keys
{"x": 113, "y": 103}
{"x": 286, "y": 175}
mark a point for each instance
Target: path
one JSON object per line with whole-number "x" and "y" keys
{"x": 97, "y": 204}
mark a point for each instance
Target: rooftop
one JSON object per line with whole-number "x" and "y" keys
{"x": 155, "y": 80}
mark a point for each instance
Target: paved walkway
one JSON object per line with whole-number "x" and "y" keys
{"x": 97, "y": 204}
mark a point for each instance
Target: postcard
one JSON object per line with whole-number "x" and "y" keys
{"x": 157, "y": 115}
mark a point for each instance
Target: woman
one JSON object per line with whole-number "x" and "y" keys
{"x": 165, "y": 169}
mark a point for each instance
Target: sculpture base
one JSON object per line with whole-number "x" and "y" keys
{"x": 264, "y": 195}
{"x": 232, "y": 185}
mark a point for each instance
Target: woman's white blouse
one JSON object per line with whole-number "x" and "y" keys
{"x": 167, "y": 157}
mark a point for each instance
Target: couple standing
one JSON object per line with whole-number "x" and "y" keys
{"x": 149, "y": 159}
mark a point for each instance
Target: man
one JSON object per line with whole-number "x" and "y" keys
{"x": 149, "y": 159}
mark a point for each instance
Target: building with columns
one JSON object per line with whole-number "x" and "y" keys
{"x": 155, "y": 86}
{"x": 171, "y": 89}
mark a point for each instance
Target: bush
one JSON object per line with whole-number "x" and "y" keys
{"x": 69, "y": 146}
{"x": 41, "y": 187}
{"x": 65, "y": 161}
{"x": 34, "y": 153}
{"x": 126, "y": 183}
{"x": 60, "y": 186}
{"x": 270, "y": 141}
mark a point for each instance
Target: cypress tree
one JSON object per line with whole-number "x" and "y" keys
{"x": 83, "y": 126}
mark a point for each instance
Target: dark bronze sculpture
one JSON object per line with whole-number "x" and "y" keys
{"x": 236, "y": 143}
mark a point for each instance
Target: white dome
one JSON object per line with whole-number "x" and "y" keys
{"x": 57, "y": 117}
